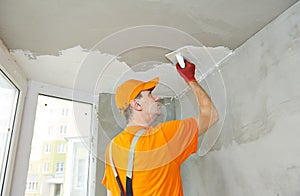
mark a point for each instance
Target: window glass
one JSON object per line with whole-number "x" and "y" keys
{"x": 8, "y": 102}
{"x": 58, "y": 150}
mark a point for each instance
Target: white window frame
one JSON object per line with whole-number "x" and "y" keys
{"x": 31, "y": 187}
{"x": 63, "y": 129}
{"x": 50, "y": 129}
{"x": 65, "y": 112}
{"x": 59, "y": 167}
{"x": 45, "y": 168}
{"x": 26, "y": 135}
{"x": 61, "y": 148}
{"x": 10, "y": 68}
{"x": 47, "y": 148}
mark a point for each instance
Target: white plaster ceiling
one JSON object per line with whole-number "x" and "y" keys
{"x": 44, "y": 28}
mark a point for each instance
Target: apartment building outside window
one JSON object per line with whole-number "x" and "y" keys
{"x": 60, "y": 172}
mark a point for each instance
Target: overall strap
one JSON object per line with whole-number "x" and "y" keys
{"x": 137, "y": 136}
{"x": 129, "y": 191}
{"x": 112, "y": 164}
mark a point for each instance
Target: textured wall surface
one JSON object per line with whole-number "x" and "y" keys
{"x": 258, "y": 152}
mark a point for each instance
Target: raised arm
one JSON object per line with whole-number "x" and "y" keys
{"x": 208, "y": 112}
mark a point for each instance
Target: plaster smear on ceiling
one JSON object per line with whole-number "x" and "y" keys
{"x": 64, "y": 69}
{"x": 96, "y": 72}
{"x": 47, "y": 26}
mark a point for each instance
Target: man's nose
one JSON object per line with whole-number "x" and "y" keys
{"x": 156, "y": 98}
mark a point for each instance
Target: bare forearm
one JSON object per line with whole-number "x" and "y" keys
{"x": 202, "y": 97}
{"x": 209, "y": 114}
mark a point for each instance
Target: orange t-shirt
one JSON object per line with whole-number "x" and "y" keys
{"x": 158, "y": 155}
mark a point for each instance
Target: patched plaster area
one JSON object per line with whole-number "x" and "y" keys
{"x": 97, "y": 72}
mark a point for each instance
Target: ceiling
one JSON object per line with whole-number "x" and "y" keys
{"x": 44, "y": 27}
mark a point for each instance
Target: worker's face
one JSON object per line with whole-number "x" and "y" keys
{"x": 150, "y": 104}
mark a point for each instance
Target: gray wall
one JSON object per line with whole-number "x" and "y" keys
{"x": 258, "y": 152}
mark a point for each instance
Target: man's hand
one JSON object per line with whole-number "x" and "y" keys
{"x": 188, "y": 72}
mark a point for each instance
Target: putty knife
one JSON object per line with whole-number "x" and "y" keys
{"x": 178, "y": 56}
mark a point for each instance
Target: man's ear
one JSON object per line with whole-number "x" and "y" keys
{"x": 135, "y": 105}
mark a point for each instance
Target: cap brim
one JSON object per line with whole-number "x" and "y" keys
{"x": 149, "y": 85}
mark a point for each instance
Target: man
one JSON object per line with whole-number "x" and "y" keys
{"x": 144, "y": 160}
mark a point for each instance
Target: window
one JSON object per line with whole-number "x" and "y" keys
{"x": 47, "y": 148}
{"x": 58, "y": 170}
{"x": 50, "y": 129}
{"x": 31, "y": 186}
{"x": 63, "y": 129}
{"x": 59, "y": 167}
{"x": 65, "y": 112}
{"x": 9, "y": 95}
{"x": 80, "y": 177}
{"x": 61, "y": 148}
{"x": 46, "y": 167}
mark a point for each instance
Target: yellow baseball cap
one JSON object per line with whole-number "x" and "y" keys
{"x": 130, "y": 89}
